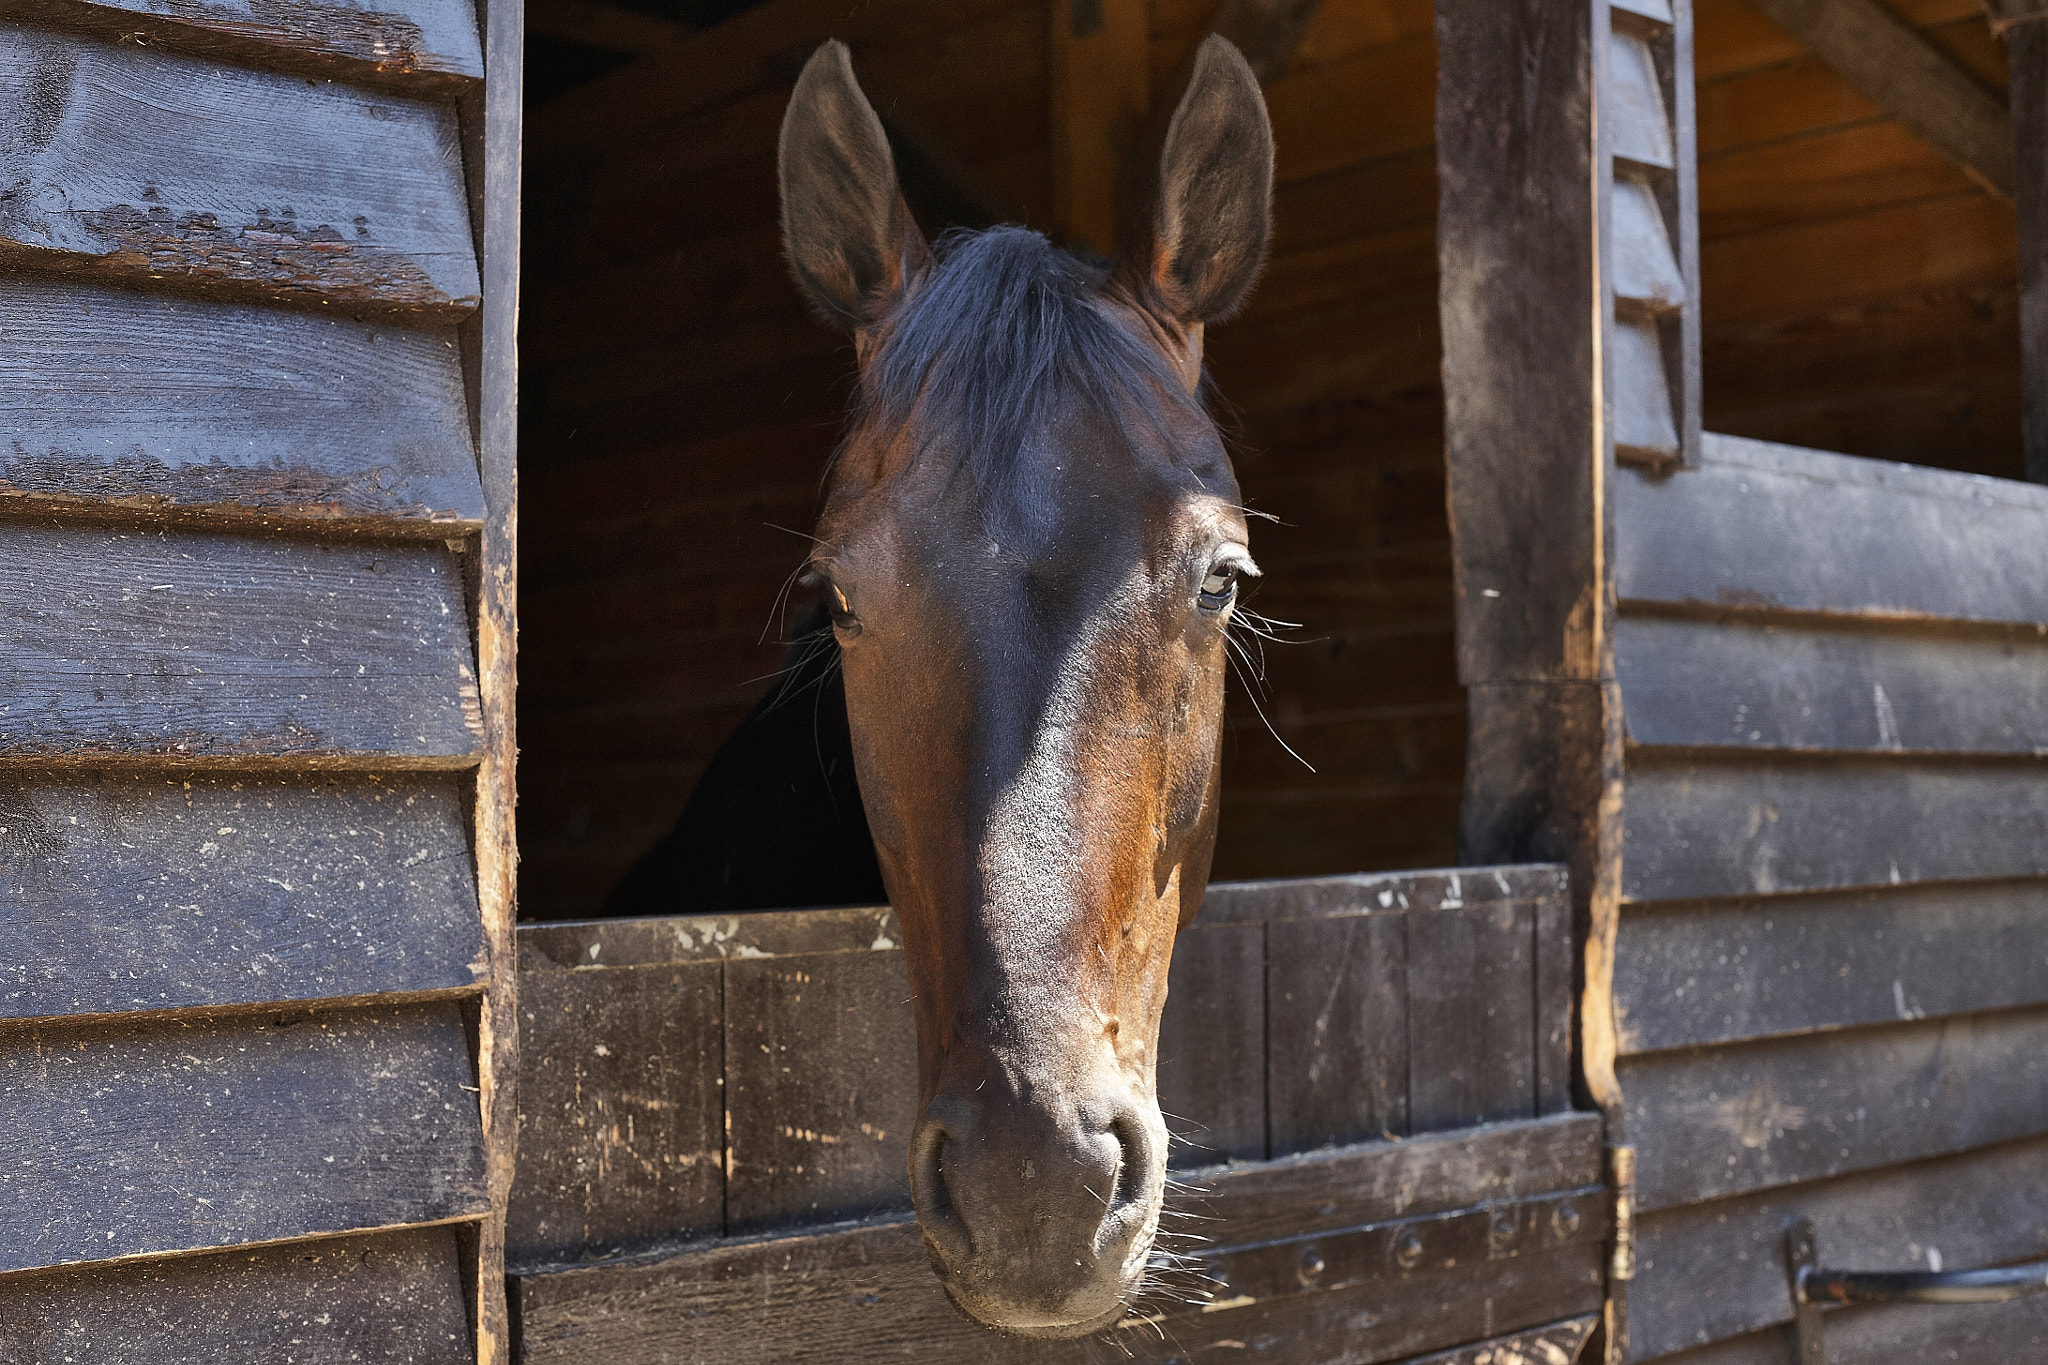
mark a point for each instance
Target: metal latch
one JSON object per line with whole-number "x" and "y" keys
{"x": 1813, "y": 1287}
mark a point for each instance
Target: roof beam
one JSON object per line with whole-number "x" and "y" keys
{"x": 1907, "y": 76}
{"x": 1268, "y": 32}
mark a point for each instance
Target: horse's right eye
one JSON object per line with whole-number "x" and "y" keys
{"x": 842, "y": 611}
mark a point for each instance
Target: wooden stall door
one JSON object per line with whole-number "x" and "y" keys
{"x": 257, "y": 272}
{"x": 1378, "y": 1159}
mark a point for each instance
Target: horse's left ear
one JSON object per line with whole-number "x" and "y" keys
{"x": 1201, "y": 245}
{"x": 851, "y": 241}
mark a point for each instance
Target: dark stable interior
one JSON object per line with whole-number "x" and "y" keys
{"x": 678, "y": 402}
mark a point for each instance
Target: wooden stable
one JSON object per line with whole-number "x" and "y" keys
{"x": 257, "y": 299}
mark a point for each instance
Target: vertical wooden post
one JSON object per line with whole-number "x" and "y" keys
{"x": 2024, "y": 26}
{"x": 497, "y": 426}
{"x": 1569, "y": 284}
{"x": 1099, "y": 69}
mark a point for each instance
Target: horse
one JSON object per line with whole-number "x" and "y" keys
{"x": 1030, "y": 550}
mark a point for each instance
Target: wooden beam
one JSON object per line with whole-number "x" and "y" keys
{"x": 1099, "y": 68}
{"x": 2024, "y": 26}
{"x": 603, "y": 25}
{"x": 1909, "y": 77}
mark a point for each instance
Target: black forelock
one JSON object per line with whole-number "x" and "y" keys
{"x": 997, "y": 340}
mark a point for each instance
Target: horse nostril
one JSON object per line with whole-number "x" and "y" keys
{"x": 931, "y": 1192}
{"x": 1134, "y": 1165}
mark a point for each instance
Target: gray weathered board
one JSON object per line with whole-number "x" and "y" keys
{"x": 144, "y": 165}
{"x": 703, "y": 1097}
{"x": 192, "y": 406}
{"x": 179, "y": 645}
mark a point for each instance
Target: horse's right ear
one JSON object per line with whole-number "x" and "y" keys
{"x": 851, "y": 241}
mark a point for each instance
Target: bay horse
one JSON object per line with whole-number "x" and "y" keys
{"x": 1030, "y": 548}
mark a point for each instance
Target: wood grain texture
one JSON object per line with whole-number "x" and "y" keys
{"x": 1714, "y": 1270}
{"x": 1746, "y": 682}
{"x": 143, "y": 165}
{"x": 1212, "y": 1045}
{"x": 190, "y": 646}
{"x": 1702, "y": 972}
{"x": 1292, "y": 898}
{"x": 621, "y": 1111}
{"x": 1471, "y": 1014}
{"x": 402, "y": 45}
{"x": 1557, "y": 1343}
{"x": 709, "y": 938}
{"x": 820, "y": 1087}
{"x": 1747, "y": 529}
{"x": 1898, "y": 1333}
{"x": 1338, "y": 1029}
{"x": 393, "y": 1296}
{"x": 1749, "y": 1116}
{"x": 866, "y": 1290}
{"x": 152, "y": 894}
{"x": 231, "y": 412}
{"x": 1749, "y": 826}
{"x": 128, "y": 1140}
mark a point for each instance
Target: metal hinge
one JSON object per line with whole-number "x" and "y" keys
{"x": 1813, "y": 1287}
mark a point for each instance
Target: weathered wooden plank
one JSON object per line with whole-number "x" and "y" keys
{"x": 1641, "y": 129}
{"x": 142, "y": 165}
{"x": 152, "y": 894}
{"x": 1738, "y": 826}
{"x": 230, "y": 411}
{"x": 1804, "y": 684}
{"x": 820, "y": 1088}
{"x": 706, "y": 938}
{"x": 1645, "y": 428}
{"x": 178, "y": 1135}
{"x": 1556, "y": 1343}
{"x": 1556, "y": 956}
{"x": 1286, "y": 898}
{"x": 621, "y": 1111}
{"x": 1714, "y": 1270}
{"x": 1900, "y": 1333}
{"x": 1337, "y": 1029}
{"x": 1471, "y": 1016}
{"x": 1711, "y": 1123}
{"x": 386, "y": 1296}
{"x": 1772, "y": 527}
{"x": 186, "y": 646}
{"x": 397, "y": 45}
{"x": 868, "y": 1284}
{"x": 1722, "y": 971}
{"x": 1212, "y": 1045}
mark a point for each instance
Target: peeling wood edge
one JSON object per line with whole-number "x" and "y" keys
{"x": 11, "y": 1278}
{"x": 19, "y": 258}
{"x": 304, "y": 1006}
{"x": 238, "y": 44}
{"x": 326, "y": 521}
{"x": 84, "y": 763}
{"x": 492, "y": 147}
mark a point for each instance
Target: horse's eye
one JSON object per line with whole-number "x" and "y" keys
{"x": 842, "y": 611}
{"x": 1219, "y": 587}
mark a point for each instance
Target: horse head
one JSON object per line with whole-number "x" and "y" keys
{"x": 1032, "y": 546}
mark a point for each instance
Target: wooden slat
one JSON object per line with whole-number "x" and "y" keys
{"x": 1897, "y": 1333}
{"x": 1715, "y": 1270}
{"x": 707, "y": 1305}
{"x": 231, "y": 411}
{"x": 135, "y": 1139}
{"x": 1557, "y": 1343}
{"x": 142, "y": 165}
{"x": 820, "y": 1088}
{"x": 1338, "y": 1029}
{"x": 1641, "y": 129}
{"x": 1556, "y": 956}
{"x": 386, "y": 1296}
{"x": 1368, "y": 892}
{"x": 154, "y": 894}
{"x": 1645, "y": 428}
{"x": 1745, "y": 683}
{"x": 1748, "y": 826}
{"x": 186, "y": 646}
{"x": 709, "y": 938}
{"x": 621, "y": 1111}
{"x": 1212, "y": 1045}
{"x": 1779, "y": 528}
{"x": 1726, "y": 971}
{"x": 402, "y": 46}
{"x": 1471, "y": 1015}
{"x": 1708, "y": 1124}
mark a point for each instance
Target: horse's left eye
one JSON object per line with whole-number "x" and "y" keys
{"x": 1219, "y": 587}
